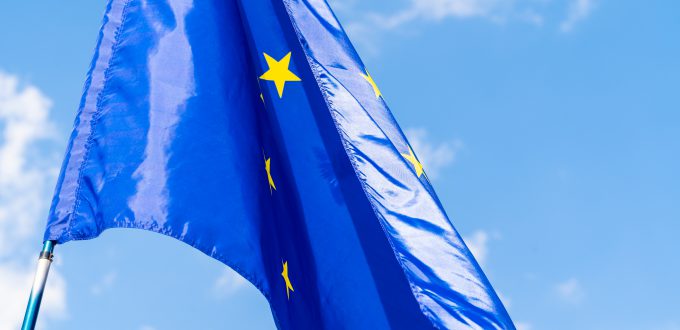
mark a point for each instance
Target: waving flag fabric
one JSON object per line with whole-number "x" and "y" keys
{"x": 252, "y": 131}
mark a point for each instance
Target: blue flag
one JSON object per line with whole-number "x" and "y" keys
{"x": 251, "y": 130}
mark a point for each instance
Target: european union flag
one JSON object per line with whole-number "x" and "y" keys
{"x": 251, "y": 130}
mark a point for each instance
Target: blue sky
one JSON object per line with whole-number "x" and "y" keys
{"x": 551, "y": 129}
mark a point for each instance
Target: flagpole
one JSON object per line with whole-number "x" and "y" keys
{"x": 34, "y": 300}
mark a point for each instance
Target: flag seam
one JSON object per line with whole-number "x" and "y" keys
{"x": 93, "y": 122}
{"x": 378, "y": 215}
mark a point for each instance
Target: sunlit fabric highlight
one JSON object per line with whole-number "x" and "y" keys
{"x": 252, "y": 131}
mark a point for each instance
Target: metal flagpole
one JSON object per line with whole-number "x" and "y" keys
{"x": 38, "y": 286}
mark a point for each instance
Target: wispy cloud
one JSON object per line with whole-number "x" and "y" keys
{"x": 434, "y": 156}
{"x": 571, "y": 291}
{"x": 147, "y": 327}
{"x": 104, "y": 284}
{"x": 365, "y": 25}
{"x": 23, "y": 174}
{"x": 578, "y": 11}
{"x": 478, "y": 243}
{"x": 671, "y": 325}
{"x": 523, "y": 326}
{"x": 228, "y": 283}
{"x": 497, "y": 11}
{"x": 437, "y": 10}
{"x": 27, "y": 175}
{"x": 507, "y": 302}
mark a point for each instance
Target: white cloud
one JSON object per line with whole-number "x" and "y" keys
{"x": 523, "y": 326}
{"x": 497, "y": 11}
{"x": 15, "y": 285}
{"x": 27, "y": 178}
{"x": 364, "y": 25}
{"x": 478, "y": 243}
{"x": 434, "y": 156}
{"x": 437, "y": 10}
{"x": 666, "y": 326}
{"x": 571, "y": 291}
{"x": 228, "y": 283}
{"x": 23, "y": 176}
{"x": 577, "y": 12}
{"x": 104, "y": 284}
{"x": 147, "y": 327}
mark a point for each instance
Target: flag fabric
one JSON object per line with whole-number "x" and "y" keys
{"x": 251, "y": 130}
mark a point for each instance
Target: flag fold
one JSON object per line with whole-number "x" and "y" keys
{"x": 252, "y": 131}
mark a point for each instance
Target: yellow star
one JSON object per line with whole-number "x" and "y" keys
{"x": 284, "y": 274}
{"x": 268, "y": 168}
{"x": 370, "y": 80}
{"x": 414, "y": 161}
{"x": 278, "y": 72}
